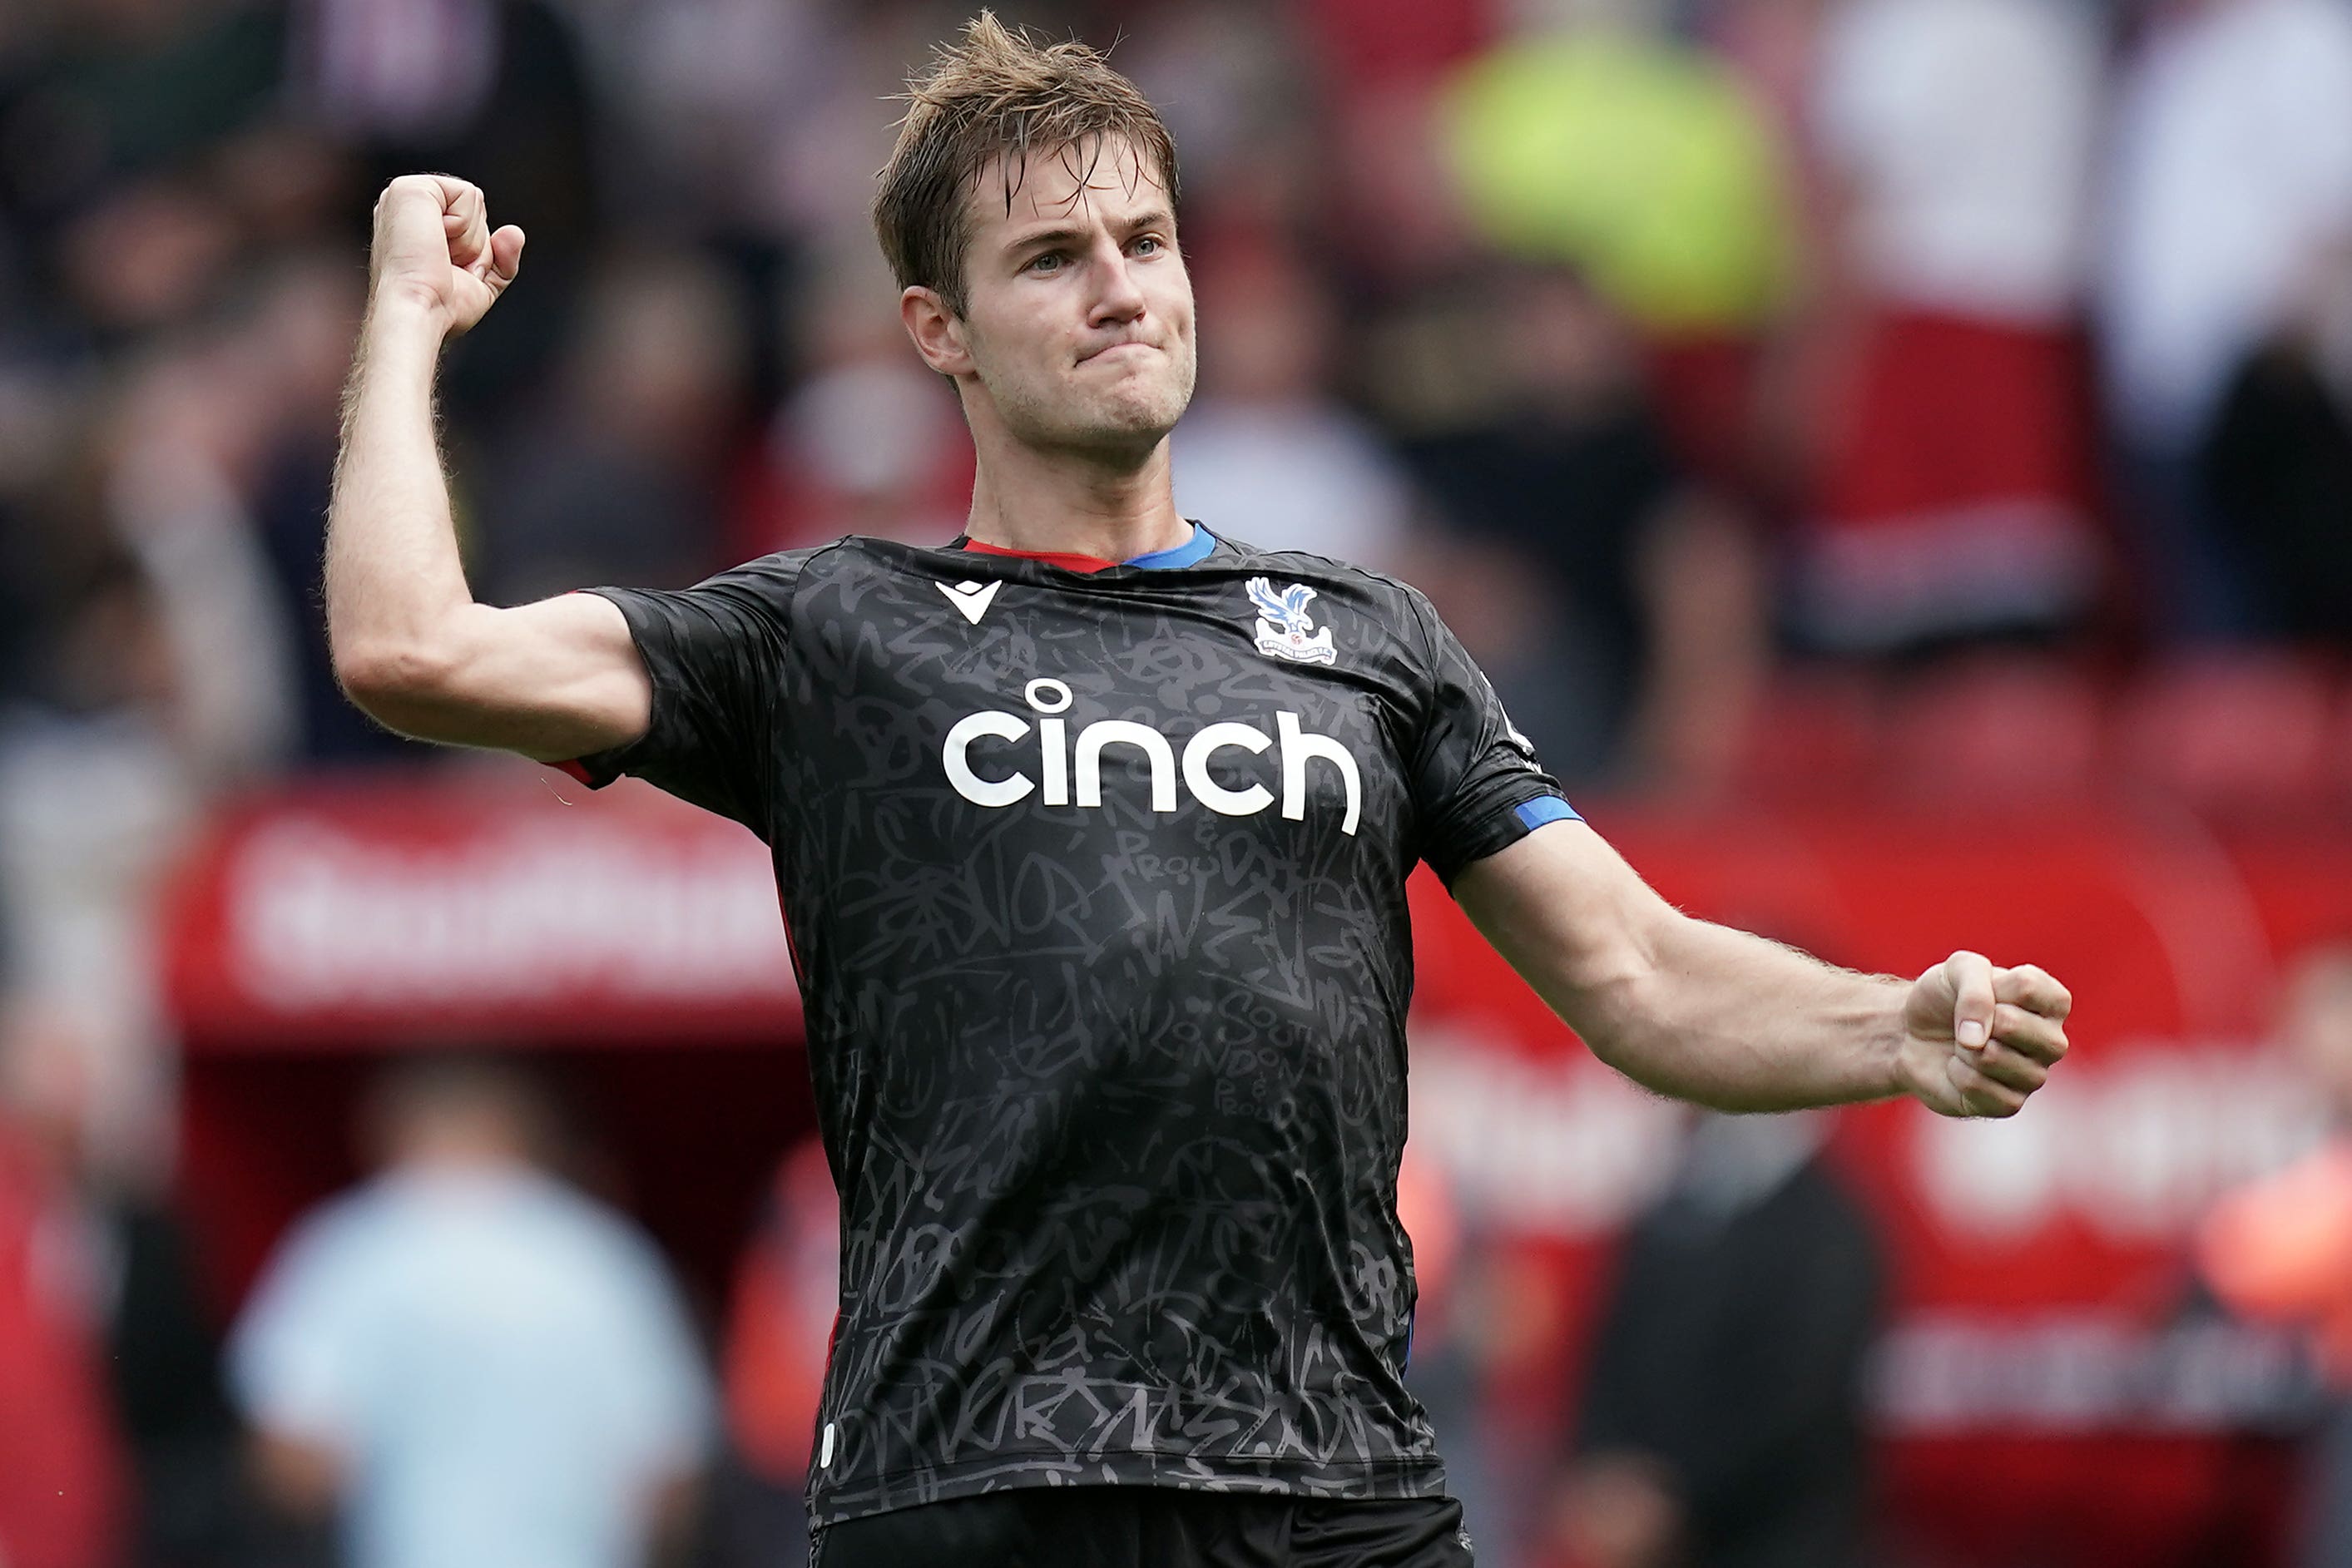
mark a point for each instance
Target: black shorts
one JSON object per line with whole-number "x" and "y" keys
{"x": 1150, "y": 1527}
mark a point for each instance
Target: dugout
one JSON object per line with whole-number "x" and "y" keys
{"x": 626, "y": 950}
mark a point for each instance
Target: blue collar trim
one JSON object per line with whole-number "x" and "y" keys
{"x": 1191, "y": 552}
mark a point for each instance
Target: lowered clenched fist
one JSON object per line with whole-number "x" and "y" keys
{"x": 434, "y": 249}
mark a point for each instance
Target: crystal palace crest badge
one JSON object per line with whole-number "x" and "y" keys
{"x": 1284, "y": 629}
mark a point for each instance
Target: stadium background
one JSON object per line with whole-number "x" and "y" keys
{"x": 1894, "y": 455}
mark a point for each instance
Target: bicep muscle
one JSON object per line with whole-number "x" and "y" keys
{"x": 554, "y": 679}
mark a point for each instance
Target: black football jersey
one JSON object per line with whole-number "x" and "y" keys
{"x": 1095, "y": 885}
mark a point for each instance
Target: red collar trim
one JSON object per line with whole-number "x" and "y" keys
{"x": 1068, "y": 560}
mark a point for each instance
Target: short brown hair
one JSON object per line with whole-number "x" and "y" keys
{"x": 998, "y": 93}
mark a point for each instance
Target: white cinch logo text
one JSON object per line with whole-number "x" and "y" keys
{"x": 1059, "y": 764}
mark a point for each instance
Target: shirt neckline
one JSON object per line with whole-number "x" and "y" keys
{"x": 1191, "y": 552}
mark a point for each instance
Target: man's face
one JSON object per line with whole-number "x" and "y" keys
{"x": 1077, "y": 327}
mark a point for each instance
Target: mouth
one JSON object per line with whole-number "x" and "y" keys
{"x": 1115, "y": 348}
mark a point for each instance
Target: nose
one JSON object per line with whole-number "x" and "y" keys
{"x": 1120, "y": 297}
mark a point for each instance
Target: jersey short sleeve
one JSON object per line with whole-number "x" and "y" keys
{"x": 1476, "y": 785}
{"x": 715, "y": 652}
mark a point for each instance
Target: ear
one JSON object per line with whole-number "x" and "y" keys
{"x": 937, "y": 332}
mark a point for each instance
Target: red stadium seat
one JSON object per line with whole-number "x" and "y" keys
{"x": 2338, "y": 780}
{"x": 1813, "y": 733}
{"x": 2238, "y": 731}
{"x": 2006, "y": 730}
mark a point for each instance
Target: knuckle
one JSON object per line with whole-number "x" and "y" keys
{"x": 1996, "y": 1098}
{"x": 2017, "y": 1025}
{"x": 2016, "y": 1070}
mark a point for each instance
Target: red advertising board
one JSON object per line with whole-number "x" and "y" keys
{"x": 2046, "y": 1391}
{"x": 538, "y": 911}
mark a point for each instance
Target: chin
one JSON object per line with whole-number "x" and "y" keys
{"x": 1130, "y": 413}
{"x": 1140, "y": 418}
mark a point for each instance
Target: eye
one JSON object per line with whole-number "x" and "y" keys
{"x": 1151, "y": 240}
{"x": 1038, "y": 263}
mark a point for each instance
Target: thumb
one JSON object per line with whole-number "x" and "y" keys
{"x": 503, "y": 258}
{"x": 1970, "y": 975}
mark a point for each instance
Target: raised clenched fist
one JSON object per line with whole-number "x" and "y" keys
{"x": 434, "y": 247}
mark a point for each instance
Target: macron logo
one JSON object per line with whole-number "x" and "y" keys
{"x": 971, "y": 598}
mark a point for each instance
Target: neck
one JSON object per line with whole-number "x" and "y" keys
{"x": 460, "y": 1149}
{"x": 1111, "y": 506}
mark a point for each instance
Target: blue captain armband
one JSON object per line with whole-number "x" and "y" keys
{"x": 1535, "y": 813}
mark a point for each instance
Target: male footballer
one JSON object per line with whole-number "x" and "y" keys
{"x": 1092, "y": 827}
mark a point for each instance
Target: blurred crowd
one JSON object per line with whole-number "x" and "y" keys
{"x": 1942, "y": 397}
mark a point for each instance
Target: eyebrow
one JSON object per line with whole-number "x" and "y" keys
{"x": 1155, "y": 218}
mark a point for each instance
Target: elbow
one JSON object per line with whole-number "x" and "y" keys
{"x": 1613, "y": 1020}
{"x": 1640, "y": 1014}
{"x": 1630, "y": 991}
{"x": 392, "y": 683}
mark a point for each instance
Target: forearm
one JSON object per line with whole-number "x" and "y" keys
{"x": 394, "y": 582}
{"x": 1731, "y": 1020}
{"x": 1742, "y": 1023}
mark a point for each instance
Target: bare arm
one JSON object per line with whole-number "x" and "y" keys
{"x": 1706, "y": 1013}
{"x": 553, "y": 680}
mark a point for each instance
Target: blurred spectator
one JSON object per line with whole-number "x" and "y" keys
{"x": 139, "y": 1302}
{"x": 2282, "y": 1249}
{"x": 817, "y": 178}
{"x": 494, "y": 91}
{"x": 181, "y": 446}
{"x": 618, "y": 480}
{"x": 1641, "y": 163}
{"x": 2278, "y": 473}
{"x": 778, "y": 1335}
{"x": 1616, "y": 606}
{"x": 61, "y": 1468}
{"x": 1227, "y": 75}
{"x": 2232, "y": 204}
{"x": 870, "y": 443}
{"x": 1955, "y": 497}
{"x": 1366, "y": 46}
{"x": 107, "y": 121}
{"x": 1265, "y": 454}
{"x": 472, "y": 1361}
{"x": 1722, "y": 1421}
{"x": 95, "y": 799}
{"x": 710, "y": 93}
{"x": 157, "y": 673}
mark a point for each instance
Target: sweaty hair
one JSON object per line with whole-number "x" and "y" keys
{"x": 1000, "y": 93}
